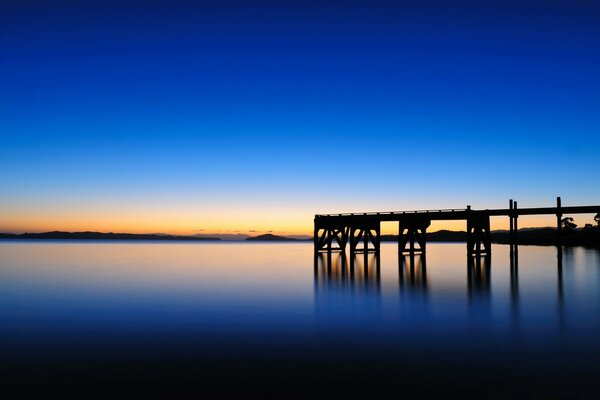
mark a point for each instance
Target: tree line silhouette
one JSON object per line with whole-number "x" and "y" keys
{"x": 588, "y": 235}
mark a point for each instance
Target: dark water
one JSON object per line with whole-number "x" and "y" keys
{"x": 230, "y": 319}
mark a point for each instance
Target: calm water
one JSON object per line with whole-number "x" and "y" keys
{"x": 240, "y": 317}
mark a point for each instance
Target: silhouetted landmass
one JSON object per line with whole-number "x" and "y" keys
{"x": 100, "y": 236}
{"x": 223, "y": 236}
{"x": 527, "y": 236}
{"x": 589, "y": 237}
{"x": 439, "y": 236}
{"x": 548, "y": 236}
{"x": 540, "y": 236}
{"x": 271, "y": 238}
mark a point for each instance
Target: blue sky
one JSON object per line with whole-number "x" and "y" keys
{"x": 240, "y": 115}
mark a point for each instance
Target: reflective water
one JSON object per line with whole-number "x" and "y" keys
{"x": 236, "y": 317}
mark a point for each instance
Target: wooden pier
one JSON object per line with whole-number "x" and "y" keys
{"x": 333, "y": 232}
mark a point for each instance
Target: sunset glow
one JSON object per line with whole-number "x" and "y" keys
{"x": 220, "y": 122}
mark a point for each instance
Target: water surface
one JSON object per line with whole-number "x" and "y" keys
{"x": 238, "y": 317}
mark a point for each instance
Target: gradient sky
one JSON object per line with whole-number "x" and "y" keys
{"x": 226, "y": 116}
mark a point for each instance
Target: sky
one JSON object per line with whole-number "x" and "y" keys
{"x": 199, "y": 117}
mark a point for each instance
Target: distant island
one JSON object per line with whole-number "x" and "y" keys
{"x": 271, "y": 238}
{"x": 589, "y": 237}
{"x": 101, "y": 236}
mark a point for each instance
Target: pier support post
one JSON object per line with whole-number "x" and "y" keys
{"x": 479, "y": 240}
{"x": 511, "y": 230}
{"x": 321, "y": 236}
{"x": 354, "y": 239}
{"x": 513, "y": 216}
{"x": 515, "y": 223}
{"x": 559, "y": 216}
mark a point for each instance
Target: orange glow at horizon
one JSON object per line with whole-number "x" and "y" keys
{"x": 247, "y": 222}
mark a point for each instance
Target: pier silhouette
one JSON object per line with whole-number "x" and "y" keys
{"x": 361, "y": 232}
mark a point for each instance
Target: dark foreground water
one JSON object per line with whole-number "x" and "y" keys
{"x": 231, "y": 319}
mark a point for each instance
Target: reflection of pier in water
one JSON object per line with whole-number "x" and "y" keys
{"x": 408, "y": 292}
{"x": 514, "y": 281}
{"x": 412, "y": 272}
{"x": 335, "y": 271}
{"x": 479, "y": 275}
{"x": 359, "y": 274}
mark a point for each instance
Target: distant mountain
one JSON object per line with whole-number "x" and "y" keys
{"x": 547, "y": 236}
{"x": 300, "y": 237}
{"x": 223, "y": 236}
{"x": 533, "y": 236}
{"x": 439, "y": 236}
{"x": 270, "y": 238}
{"x": 100, "y": 236}
{"x": 526, "y": 236}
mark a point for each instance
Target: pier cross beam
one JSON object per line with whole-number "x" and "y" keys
{"x": 367, "y": 230}
{"x": 412, "y": 230}
{"x": 333, "y": 233}
{"x": 328, "y": 233}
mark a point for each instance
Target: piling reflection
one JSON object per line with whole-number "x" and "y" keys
{"x": 560, "y": 285}
{"x": 412, "y": 274}
{"x": 337, "y": 271}
{"x": 479, "y": 275}
{"x": 347, "y": 289}
{"x": 362, "y": 273}
{"x": 514, "y": 282}
{"x": 559, "y": 258}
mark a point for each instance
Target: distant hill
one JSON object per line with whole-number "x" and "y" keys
{"x": 439, "y": 236}
{"x": 223, "y": 236}
{"x": 532, "y": 236}
{"x": 540, "y": 236}
{"x": 270, "y": 238}
{"x": 100, "y": 236}
{"x": 526, "y": 236}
